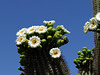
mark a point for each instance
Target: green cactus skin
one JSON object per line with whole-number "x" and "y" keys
{"x": 96, "y": 62}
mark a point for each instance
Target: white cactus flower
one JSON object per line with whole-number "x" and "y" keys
{"x": 86, "y": 27}
{"x": 31, "y": 30}
{"x": 98, "y": 16}
{"x": 93, "y": 23}
{"x": 49, "y": 22}
{"x": 55, "y": 52}
{"x": 21, "y": 32}
{"x": 41, "y": 29}
{"x": 34, "y": 41}
{"x": 20, "y": 39}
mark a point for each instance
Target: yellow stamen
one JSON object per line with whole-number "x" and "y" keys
{"x": 20, "y": 39}
{"x": 41, "y": 29}
{"x": 92, "y": 24}
{"x": 21, "y": 31}
{"x": 34, "y": 42}
{"x": 49, "y": 22}
{"x": 31, "y": 29}
{"x": 55, "y": 52}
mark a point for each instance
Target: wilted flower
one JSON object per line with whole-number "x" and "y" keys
{"x": 65, "y": 30}
{"x": 55, "y": 52}
{"x": 34, "y": 41}
{"x": 86, "y": 27}
{"x": 21, "y": 32}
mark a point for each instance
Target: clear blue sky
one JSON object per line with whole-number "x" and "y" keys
{"x": 16, "y": 14}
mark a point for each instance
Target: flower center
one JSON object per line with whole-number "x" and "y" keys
{"x": 21, "y": 31}
{"x": 55, "y": 52}
{"x": 50, "y": 22}
{"x": 41, "y": 29}
{"x": 34, "y": 42}
{"x": 20, "y": 39}
{"x": 31, "y": 29}
{"x": 93, "y": 24}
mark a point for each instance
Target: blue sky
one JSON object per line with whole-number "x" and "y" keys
{"x": 16, "y": 14}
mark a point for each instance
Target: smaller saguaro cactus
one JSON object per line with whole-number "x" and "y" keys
{"x": 84, "y": 61}
{"x": 39, "y": 50}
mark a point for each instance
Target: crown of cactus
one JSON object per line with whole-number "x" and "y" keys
{"x": 93, "y": 25}
{"x": 38, "y": 38}
{"x": 84, "y": 60}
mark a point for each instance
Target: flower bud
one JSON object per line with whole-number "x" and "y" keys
{"x": 84, "y": 51}
{"x": 58, "y": 28}
{"x": 19, "y": 68}
{"x": 43, "y": 41}
{"x": 22, "y": 62}
{"x": 49, "y": 29}
{"x": 85, "y": 48}
{"x": 89, "y": 51}
{"x": 98, "y": 30}
{"x": 87, "y": 58}
{"x": 53, "y": 29}
{"x": 49, "y": 37}
{"x": 21, "y": 56}
{"x": 79, "y": 52}
{"x": 76, "y": 62}
{"x": 80, "y": 58}
{"x": 91, "y": 58}
{"x": 84, "y": 62}
{"x": 22, "y": 74}
{"x": 79, "y": 61}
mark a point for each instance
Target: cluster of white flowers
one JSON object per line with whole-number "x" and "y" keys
{"x": 65, "y": 30}
{"x": 33, "y": 41}
{"x": 31, "y": 30}
{"x": 32, "y": 37}
{"x": 55, "y": 52}
{"x": 93, "y": 24}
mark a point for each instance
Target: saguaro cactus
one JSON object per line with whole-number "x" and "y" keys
{"x": 84, "y": 61}
{"x": 94, "y": 25}
{"x": 39, "y": 49}
{"x": 96, "y": 9}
